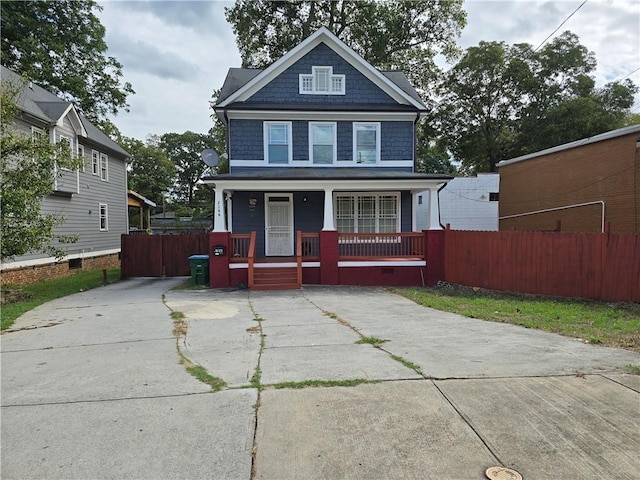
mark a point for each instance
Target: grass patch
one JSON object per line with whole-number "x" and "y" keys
{"x": 201, "y": 374}
{"x": 323, "y": 383}
{"x": 255, "y": 379}
{"x": 612, "y": 325}
{"x": 38, "y": 293}
{"x": 176, "y": 315}
{"x": 371, "y": 341}
{"x": 407, "y": 363}
{"x": 632, "y": 369}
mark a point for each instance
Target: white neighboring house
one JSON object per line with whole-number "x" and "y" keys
{"x": 92, "y": 199}
{"x": 466, "y": 203}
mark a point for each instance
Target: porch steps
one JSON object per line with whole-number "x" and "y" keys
{"x": 275, "y": 278}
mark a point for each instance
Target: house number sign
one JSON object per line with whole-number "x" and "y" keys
{"x": 219, "y": 250}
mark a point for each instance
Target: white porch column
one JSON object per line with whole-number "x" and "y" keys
{"x": 229, "y": 212}
{"x": 219, "y": 224}
{"x": 328, "y": 210}
{"x": 434, "y": 210}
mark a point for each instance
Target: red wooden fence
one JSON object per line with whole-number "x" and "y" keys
{"x": 601, "y": 266}
{"x": 160, "y": 255}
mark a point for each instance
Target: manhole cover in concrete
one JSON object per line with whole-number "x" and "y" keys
{"x": 502, "y": 473}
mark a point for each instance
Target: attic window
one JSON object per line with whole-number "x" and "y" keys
{"x": 321, "y": 81}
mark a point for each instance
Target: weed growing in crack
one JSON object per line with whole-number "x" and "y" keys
{"x": 323, "y": 383}
{"x": 407, "y": 363}
{"x": 375, "y": 341}
{"x": 632, "y": 369}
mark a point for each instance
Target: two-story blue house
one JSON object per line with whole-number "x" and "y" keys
{"x": 321, "y": 143}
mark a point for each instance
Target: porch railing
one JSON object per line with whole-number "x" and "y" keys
{"x": 299, "y": 257}
{"x": 251, "y": 254}
{"x": 311, "y": 246}
{"x": 366, "y": 246}
{"x": 239, "y": 247}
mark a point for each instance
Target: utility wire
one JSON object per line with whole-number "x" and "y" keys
{"x": 565, "y": 21}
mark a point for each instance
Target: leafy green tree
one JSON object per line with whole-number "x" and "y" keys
{"x": 395, "y": 34}
{"x": 60, "y": 45}
{"x": 29, "y": 167}
{"x": 184, "y": 150}
{"x": 151, "y": 173}
{"x": 501, "y": 101}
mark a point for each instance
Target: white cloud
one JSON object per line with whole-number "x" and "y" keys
{"x": 175, "y": 53}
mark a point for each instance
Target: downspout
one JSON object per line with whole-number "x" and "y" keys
{"x": 438, "y": 195}
{"x": 227, "y": 137}
{"x": 415, "y": 140}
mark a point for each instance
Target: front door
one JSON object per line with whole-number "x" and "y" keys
{"x": 278, "y": 224}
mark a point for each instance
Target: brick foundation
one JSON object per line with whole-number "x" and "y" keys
{"x": 38, "y": 273}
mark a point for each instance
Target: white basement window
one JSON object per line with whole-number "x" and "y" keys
{"x": 322, "y": 81}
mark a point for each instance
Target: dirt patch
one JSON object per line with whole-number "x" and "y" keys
{"x": 13, "y": 296}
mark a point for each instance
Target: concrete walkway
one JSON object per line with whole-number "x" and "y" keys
{"x": 92, "y": 387}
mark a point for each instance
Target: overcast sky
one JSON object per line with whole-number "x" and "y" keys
{"x": 175, "y": 53}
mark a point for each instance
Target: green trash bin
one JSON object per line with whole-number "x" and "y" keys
{"x": 199, "y": 269}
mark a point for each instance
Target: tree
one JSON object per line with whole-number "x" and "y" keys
{"x": 28, "y": 167}
{"x": 395, "y": 34}
{"x": 501, "y": 101}
{"x": 184, "y": 150}
{"x": 60, "y": 45}
{"x": 151, "y": 173}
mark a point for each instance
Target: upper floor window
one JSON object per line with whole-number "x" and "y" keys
{"x": 322, "y": 81}
{"x": 81, "y": 155}
{"x": 366, "y": 143}
{"x": 36, "y": 134}
{"x": 277, "y": 142}
{"x": 104, "y": 167}
{"x": 322, "y": 143}
{"x": 95, "y": 162}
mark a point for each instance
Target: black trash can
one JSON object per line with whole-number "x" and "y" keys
{"x": 199, "y": 269}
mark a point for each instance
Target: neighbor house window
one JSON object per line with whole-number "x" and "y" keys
{"x": 494, "y": 196}
{"x": 69, "y": 142}
{"x": 367, "y": 212}
{"x": 277, "y": 142}
{"x": 104, "y": 217}
{"x": 366, "y": 143}
{"x": 322, "y": 143}
{"x": 36, "y": 134}
{"x": 104, "y": 167}
{"x": 322, "y": 81}
{"x": 81, "y": 155}
{"x": 95, "y": 162}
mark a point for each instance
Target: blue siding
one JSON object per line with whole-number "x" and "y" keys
{"x": 249, "y": 216}
{"x": 309, "y": 215}
{"x": 246, "y": 139}
{"x": 405, "y": 211}
{"x": 285, "y": 88}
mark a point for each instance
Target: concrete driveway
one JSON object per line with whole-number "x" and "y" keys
{"x": 92, "y": 387}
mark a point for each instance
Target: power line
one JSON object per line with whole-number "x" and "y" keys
{"x": 565, "y": 21}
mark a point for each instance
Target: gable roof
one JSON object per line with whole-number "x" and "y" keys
{"x": 36, "y": 102}
{"x": 241, "y": 83}
{"x": 578, "y": 143}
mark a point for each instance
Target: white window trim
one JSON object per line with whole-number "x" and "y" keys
{"x": 69, "y": 139}
{"x": 334, "y": 125}
{"x": 105, "y": 158}
{"x": 95, "y": 162}
{"x": 355, "y": 209}
{"x": 378, "y": 126}
{"x": 314, "y": 90}
{"x": 106, "y": 217}
{"x": 265, "y": 142}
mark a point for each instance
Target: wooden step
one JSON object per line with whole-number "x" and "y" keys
{"x": 274, "y": 278}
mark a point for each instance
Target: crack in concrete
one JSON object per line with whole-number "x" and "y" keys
{"x": 83, "y": 345}
{"x": 103, "y": 400}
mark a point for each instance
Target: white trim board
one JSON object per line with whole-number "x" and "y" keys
{"x": 36, "y": 262}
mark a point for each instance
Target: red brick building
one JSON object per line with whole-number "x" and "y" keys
{"x": 579, "y": 186}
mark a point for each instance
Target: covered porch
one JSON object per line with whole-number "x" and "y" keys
{"x": 350, "y": 230}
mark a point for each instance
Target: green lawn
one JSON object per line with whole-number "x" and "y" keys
{"x": 39, "y": 293}
{"x": 610, "y": 324}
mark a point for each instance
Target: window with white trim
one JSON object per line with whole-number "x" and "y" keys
{"x": 366, "y": 143}
{"x": 36, "y": 134}
{"x": 322, "y": 143}
{"x": 277, "y": 142}
{"x": 367, "y": 212}
{"x": 321, "y": 81}
{"x": 81, "y": 155}
{"x": 69, "y": 141}
{"x": 104, "y": 217}
{"x": 104, "y": 167}
{"x": 95, "y": 162}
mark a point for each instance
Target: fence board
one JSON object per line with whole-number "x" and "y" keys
{"x": 589, "y": 265}
{"x": 160, "y": 255}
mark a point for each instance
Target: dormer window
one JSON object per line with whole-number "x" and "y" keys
{"x": 321, "y": 81}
